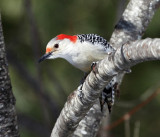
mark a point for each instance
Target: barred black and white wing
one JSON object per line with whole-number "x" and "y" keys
{"x": 96, "y": 40}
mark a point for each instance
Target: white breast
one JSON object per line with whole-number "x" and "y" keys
{"x": 83, "y": 54}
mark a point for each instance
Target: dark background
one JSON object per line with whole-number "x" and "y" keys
{"x": 42, "y": 89}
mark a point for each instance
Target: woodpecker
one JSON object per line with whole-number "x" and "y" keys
{"x": 81, "y": 51}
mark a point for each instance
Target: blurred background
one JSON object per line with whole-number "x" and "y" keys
{"x": 42, "y": 89}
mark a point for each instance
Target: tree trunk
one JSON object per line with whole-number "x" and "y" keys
{"x": 8, "y": 118}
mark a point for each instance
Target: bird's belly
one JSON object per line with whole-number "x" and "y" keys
{"x": 84, "y": 62}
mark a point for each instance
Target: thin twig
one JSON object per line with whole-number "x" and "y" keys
{"x": 127, "y": 126}
{"x": 136, "y": 129}
{"x": 134, "y": 110}
{"x": 35, "y": 40}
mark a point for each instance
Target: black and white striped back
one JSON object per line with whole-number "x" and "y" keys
{"x": 95, "y": 39}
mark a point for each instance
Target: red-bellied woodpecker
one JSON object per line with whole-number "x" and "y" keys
{"x": 81, "y": 51}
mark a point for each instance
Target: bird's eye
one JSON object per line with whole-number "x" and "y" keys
{"x": 56, "y": 45}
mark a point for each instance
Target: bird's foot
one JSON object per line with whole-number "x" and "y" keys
{"x": 93, "y": 67}
{"x": 102, "y": 102}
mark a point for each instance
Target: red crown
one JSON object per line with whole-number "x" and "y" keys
{"x": 71, "y": 38}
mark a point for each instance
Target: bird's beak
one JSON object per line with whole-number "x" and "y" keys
{"x": 45, "y": 56}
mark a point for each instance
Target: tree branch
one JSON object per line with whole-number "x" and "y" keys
{"x": 78, "y": 103}
{"x": 134, "y": 21}
{"x": 89, "y": 126}
{"x": 131, "y": 26}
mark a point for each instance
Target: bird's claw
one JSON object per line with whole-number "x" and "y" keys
{"x": 93, "y": 67}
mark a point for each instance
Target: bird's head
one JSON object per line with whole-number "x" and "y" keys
{"x": 58, "y": 46}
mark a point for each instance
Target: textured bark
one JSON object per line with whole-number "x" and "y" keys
{"x": 79, "y": 103}
{"x": 89, "y": 125}
{"x": 8, "y": 118}
{"x": 133, "y": 23}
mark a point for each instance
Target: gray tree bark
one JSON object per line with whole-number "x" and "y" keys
{"x": 8, "y": 117}
{"x": 89, "y": 125}
{"x": 134, "y": 21}
{"x": 132, "y": 25}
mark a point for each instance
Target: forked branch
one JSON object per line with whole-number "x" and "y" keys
{"x": 79, "y": 103}
{"x": 132, "y": 25}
